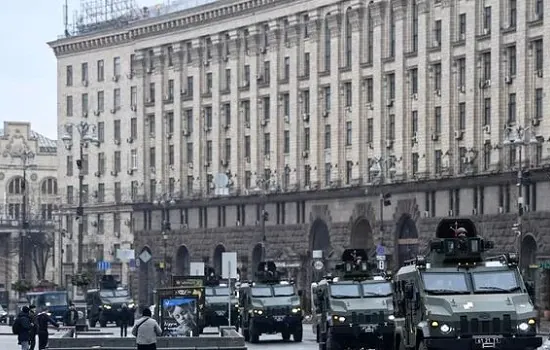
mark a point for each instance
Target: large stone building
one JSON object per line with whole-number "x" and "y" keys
{"x": 313, "y": 109}
{"x": 26, "y": 251}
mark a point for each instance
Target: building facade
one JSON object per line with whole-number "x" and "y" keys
{"x": 27, "y": 251}
{"x": 313, "y": 111}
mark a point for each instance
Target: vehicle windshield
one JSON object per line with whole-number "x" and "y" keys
{"x": 345, "y": 291}
{"x": 283, "y": 291}
{"x": 109, "y": 293}
{"x": 209, "y": 292}
{"x": 261, "y": 291}
{"x": 495, "y": 281}
{"x": 376, "y": 289}
{"x": 221, "y": 291}
{"x": 55, "y": 299}
{"x": 445, "y": 282}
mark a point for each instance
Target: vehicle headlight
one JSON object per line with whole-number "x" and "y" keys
{"x": 258, "y": 312}
{"x": 107, "y": 307}
{"x": 445, "y": 329}
{"x": 339, "y": 318}
{"x": 523, "y": 326}
{"x": 131, "y": 305}
{"x": 391, "y": 317}
{"x": 296, "y": 310}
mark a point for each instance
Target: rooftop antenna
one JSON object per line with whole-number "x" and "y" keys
{"x": 66, "y": 18}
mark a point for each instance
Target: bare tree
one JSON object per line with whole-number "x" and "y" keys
{"x": 40, "y": 243}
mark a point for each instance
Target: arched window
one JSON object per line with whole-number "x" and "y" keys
{"x": 49, "y": 186}
{"x": 348, "y": 39}
{"x": 327, "y": 45}
{"x": 16, "y": 186}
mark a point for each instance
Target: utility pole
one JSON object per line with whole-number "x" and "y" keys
{"x": 25, "y": 156}
{"x": 166, "y": 227}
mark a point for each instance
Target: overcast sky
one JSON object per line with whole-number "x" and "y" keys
{"x": 27, "y": 81}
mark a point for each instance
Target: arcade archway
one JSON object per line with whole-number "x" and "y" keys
{"x": 146, "y": 277}
{"x": 182, "y": 261}
{"x": 528, "y": 256}
{"x": 256, "y": 258}
{"x": 407, "y": 240}
{"x": 361, "y": 235}
{"x": 220, "y": 249}
{"x": 320, "y": 237}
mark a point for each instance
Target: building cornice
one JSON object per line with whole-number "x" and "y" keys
{"x": 195, "y": 17}
{"x": 367, "y": 192}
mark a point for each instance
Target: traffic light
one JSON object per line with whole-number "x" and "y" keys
{"x": 387, "y": 199}
{"x": 525, "y": 178}
{"x": 79, "y": 163}
{"x": 265, "y": 215}
{"x": 166, "y": 226}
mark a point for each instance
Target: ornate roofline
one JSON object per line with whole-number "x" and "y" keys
{"x": 198, "y": 16}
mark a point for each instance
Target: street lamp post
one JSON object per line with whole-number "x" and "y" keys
{"x": 62, "y": 233}
{"x": 264, "y": 186}
{"x": 88, "y": 135}
{"x": 519, "y": 136}
{"x": 165, "y": 202}
{"x": 377, "y": 171}
{"x": 25, "y": 155}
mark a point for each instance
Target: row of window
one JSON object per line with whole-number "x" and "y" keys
{"x": 14, "y": 211}
{"x": 16, "y": 186}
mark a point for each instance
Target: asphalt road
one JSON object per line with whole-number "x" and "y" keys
{"x": 267, "y": 342}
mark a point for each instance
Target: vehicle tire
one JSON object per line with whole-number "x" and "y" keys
{"x": 102, "y": 322}
{"x": 317, "y": 335}
{"x": 93, "y": 322}
{"x": 422, "y": 346}
{"x": 298, "y": 334}
{"x": 322, "y": 346}
{"x": 254, "y": 334}
{"x": 131, "y": 323}
{"x": 331, "y": 343}
{"x": 286, "y": 335}
{"x": 117, "y": 322}
{"x": 246, "y": 335}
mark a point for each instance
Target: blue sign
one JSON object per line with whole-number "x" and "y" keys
{"x": 103, "y": 265}
{"x": 380, "y": 250}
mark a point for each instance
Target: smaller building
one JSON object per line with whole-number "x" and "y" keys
{"x": 29, "y": 192}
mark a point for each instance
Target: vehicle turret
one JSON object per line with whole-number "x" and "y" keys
{"x": 210, "y": 276}
{"x": 457, "y": 243}
{"x": 355, "y": 266}
{"x": 108, "y": 282}
{"x": 267, "y": 272}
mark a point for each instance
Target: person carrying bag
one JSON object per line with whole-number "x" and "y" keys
{"x": 146, "y": 330}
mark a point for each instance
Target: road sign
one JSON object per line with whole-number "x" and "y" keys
{"x": 197, "y": 269}
{"x": 103, "y": 265}
{"x": 381, "y": 265}
{"x": 380, "y": 250}
{"x": 145, "y": 256}
{"x": 318, "y": 265}
{"x": 317, "y": 254}
{"x": 381, "y": 257}
{"x": 229, "y": 265}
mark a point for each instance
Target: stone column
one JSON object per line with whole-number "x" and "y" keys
{"x": 217, "y": 133}
{"x": 295, "y": 122}
{"x": 238, "y": 129}
{"x": 256, "y": 130}
{"x": 357, "y": 110}
{"x": 316, "y": 120}
{"x": 425, "y": 93}
{"x": 276, "y": 160}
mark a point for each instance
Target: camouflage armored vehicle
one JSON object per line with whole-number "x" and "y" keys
{"x": 458, "y": 298}
{"x": 355, "y": 309}
{"x": 270, "y": 305}
{"x": 217, "y": 302}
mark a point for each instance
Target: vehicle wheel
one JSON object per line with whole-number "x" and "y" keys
{"x": 254, "y": 334}
{"x": 102, "y": 323}
{"x": 331, "y": 343}
{"x": 422, "y": 346}
{"x": 93, "y": 322}
{"x": 286, "y": 335}
{"x": 317, "y": 335}
{"x": 298, "y": 334}
{"x": 117, "y": 322}
{"x": 131, "y": 323}
{"x": 246, "y": 334}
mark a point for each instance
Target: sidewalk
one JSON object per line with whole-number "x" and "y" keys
{"x": 544, "y": 327}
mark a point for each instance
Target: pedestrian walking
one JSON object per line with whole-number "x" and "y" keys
{"x": 146, "y": 330}
{"x": 22, "y": 327}
{"x": 44, "y": 319}
{"x": 125, "y": 317}
{"x": 32, "y": 333}
{"x": 71, "y": 316}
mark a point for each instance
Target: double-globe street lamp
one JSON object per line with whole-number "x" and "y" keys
{"x": 88, "y": 136}
{"x": 519, "y": 137}
{"x": 264, "y": 186}
{"x": 165, "y": 202}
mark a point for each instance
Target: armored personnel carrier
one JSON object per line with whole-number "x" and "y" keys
{"x": 270, "y": 305}
{"x": 217, "y": 296}
{"x": 457, "y": 298}
{"x": 355, "y": 309}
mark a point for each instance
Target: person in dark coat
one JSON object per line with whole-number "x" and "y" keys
{"x": 32, "y": 333}
{"x": 125, "y": 318}
{"x": 43, "y": 319}
{"x": 24, "y": 326}
{"x": 71, "y": 316}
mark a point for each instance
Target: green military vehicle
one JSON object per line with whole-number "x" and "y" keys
{"x": 354, "y": 310}
{"x": 216, "y": 310}
{"x": 457, "y": 298}
{"x": 270, "y": 305}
